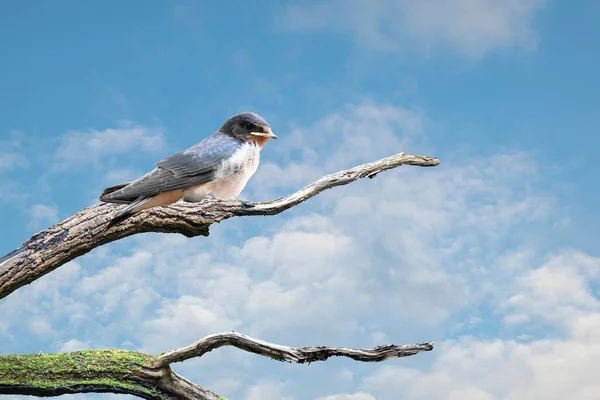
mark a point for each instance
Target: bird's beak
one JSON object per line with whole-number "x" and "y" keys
{"x": 268, "y": 134}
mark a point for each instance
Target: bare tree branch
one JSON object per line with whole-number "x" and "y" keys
{"x": 143, "y": 375}
{"x": 298, "y": 355}
{"x": 86, "y": 230}
{"x": 150, "y": 377}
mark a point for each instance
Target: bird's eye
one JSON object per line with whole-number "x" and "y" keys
{"x": 249, "y": 126}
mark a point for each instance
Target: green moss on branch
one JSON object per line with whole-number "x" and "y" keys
{"x": 81, "y": 364}
{"x": 116, "y": 371}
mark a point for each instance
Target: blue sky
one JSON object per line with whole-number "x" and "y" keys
{"x": 493, "y": 254}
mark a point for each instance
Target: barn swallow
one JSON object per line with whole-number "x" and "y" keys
{"x": 220, "y": 165}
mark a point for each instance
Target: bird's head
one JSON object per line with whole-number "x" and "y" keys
{"x": 249, "y": 127}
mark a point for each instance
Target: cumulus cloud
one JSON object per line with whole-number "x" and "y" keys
{"x": 185, "y": 319}
{"x": 470, "y": 28}
{"x": 74, "y": 345}
{"x": 555, "y": 366}
{"x": 42, "y": 299}
{"x": 266, "y": 390}
{"x": 360, "y": 133}
{"x": 90, "y": 147}
{"x": 409, "y": 256}
{"x": 480, "y": 369}
{"x": 556, "y": 292}
{"x": 41, "y": 215}
{"x": 444, "y": 221}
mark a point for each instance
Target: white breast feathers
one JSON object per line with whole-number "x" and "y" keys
{"x": 231, "y": 175}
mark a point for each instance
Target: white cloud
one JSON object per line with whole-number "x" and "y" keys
{"x": 43, "y": 298}
{"x": 360, "y": 133}
{"x": 338, "y": 268}
{"x": 113, "y": 176}
{"x": 266, "y": 390}
{"x": 356, "y": 396}
{"x": 12, "y": 191}
{"x": 401, "y": 258}
{"x": 556, "y": 366}
{"x": 225, "y": 385}
{"x": 10, "y": 161}
{"x": 445, "y": 221}
{"x": 184, "y": 321}
{"x": 556, "y": 292}
{"x": 478, "y": 369}
{"x": 123, "y": 286}
{"x": 42, "y": 215}
{"x": 74, "y": 345}
{"x": 470, "y": 28}
{"x": 12, "y": 153}
{"x": 91, "y": 147}
{"x": 40, "y": 326}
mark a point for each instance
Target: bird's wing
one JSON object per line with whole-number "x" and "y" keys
{"x": 188, "y": 168}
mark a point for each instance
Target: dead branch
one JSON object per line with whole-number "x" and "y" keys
{"x": 298, "y": 355}
{"x": 150, "y": 377}
{"x": 86, "y": 230}
{"x": 143, "y": 375}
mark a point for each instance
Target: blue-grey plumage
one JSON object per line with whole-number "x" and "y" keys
{"x": 220, "y": 164}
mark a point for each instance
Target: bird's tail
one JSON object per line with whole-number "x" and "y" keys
{"x": 104, "y": 196}
{"x": 128, "y": 210}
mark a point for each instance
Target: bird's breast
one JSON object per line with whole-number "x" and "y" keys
{"x": 230, "y": 176}
{"x": 244, "y": 161}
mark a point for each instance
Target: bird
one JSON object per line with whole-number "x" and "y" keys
{"x": 219, "y": 165}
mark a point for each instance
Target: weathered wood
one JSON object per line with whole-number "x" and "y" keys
{"x": 86, "y": 230}
{"x": 144, "y": 375}
{"x": 150, "y": 377}
{"x": 298, "y": 355}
